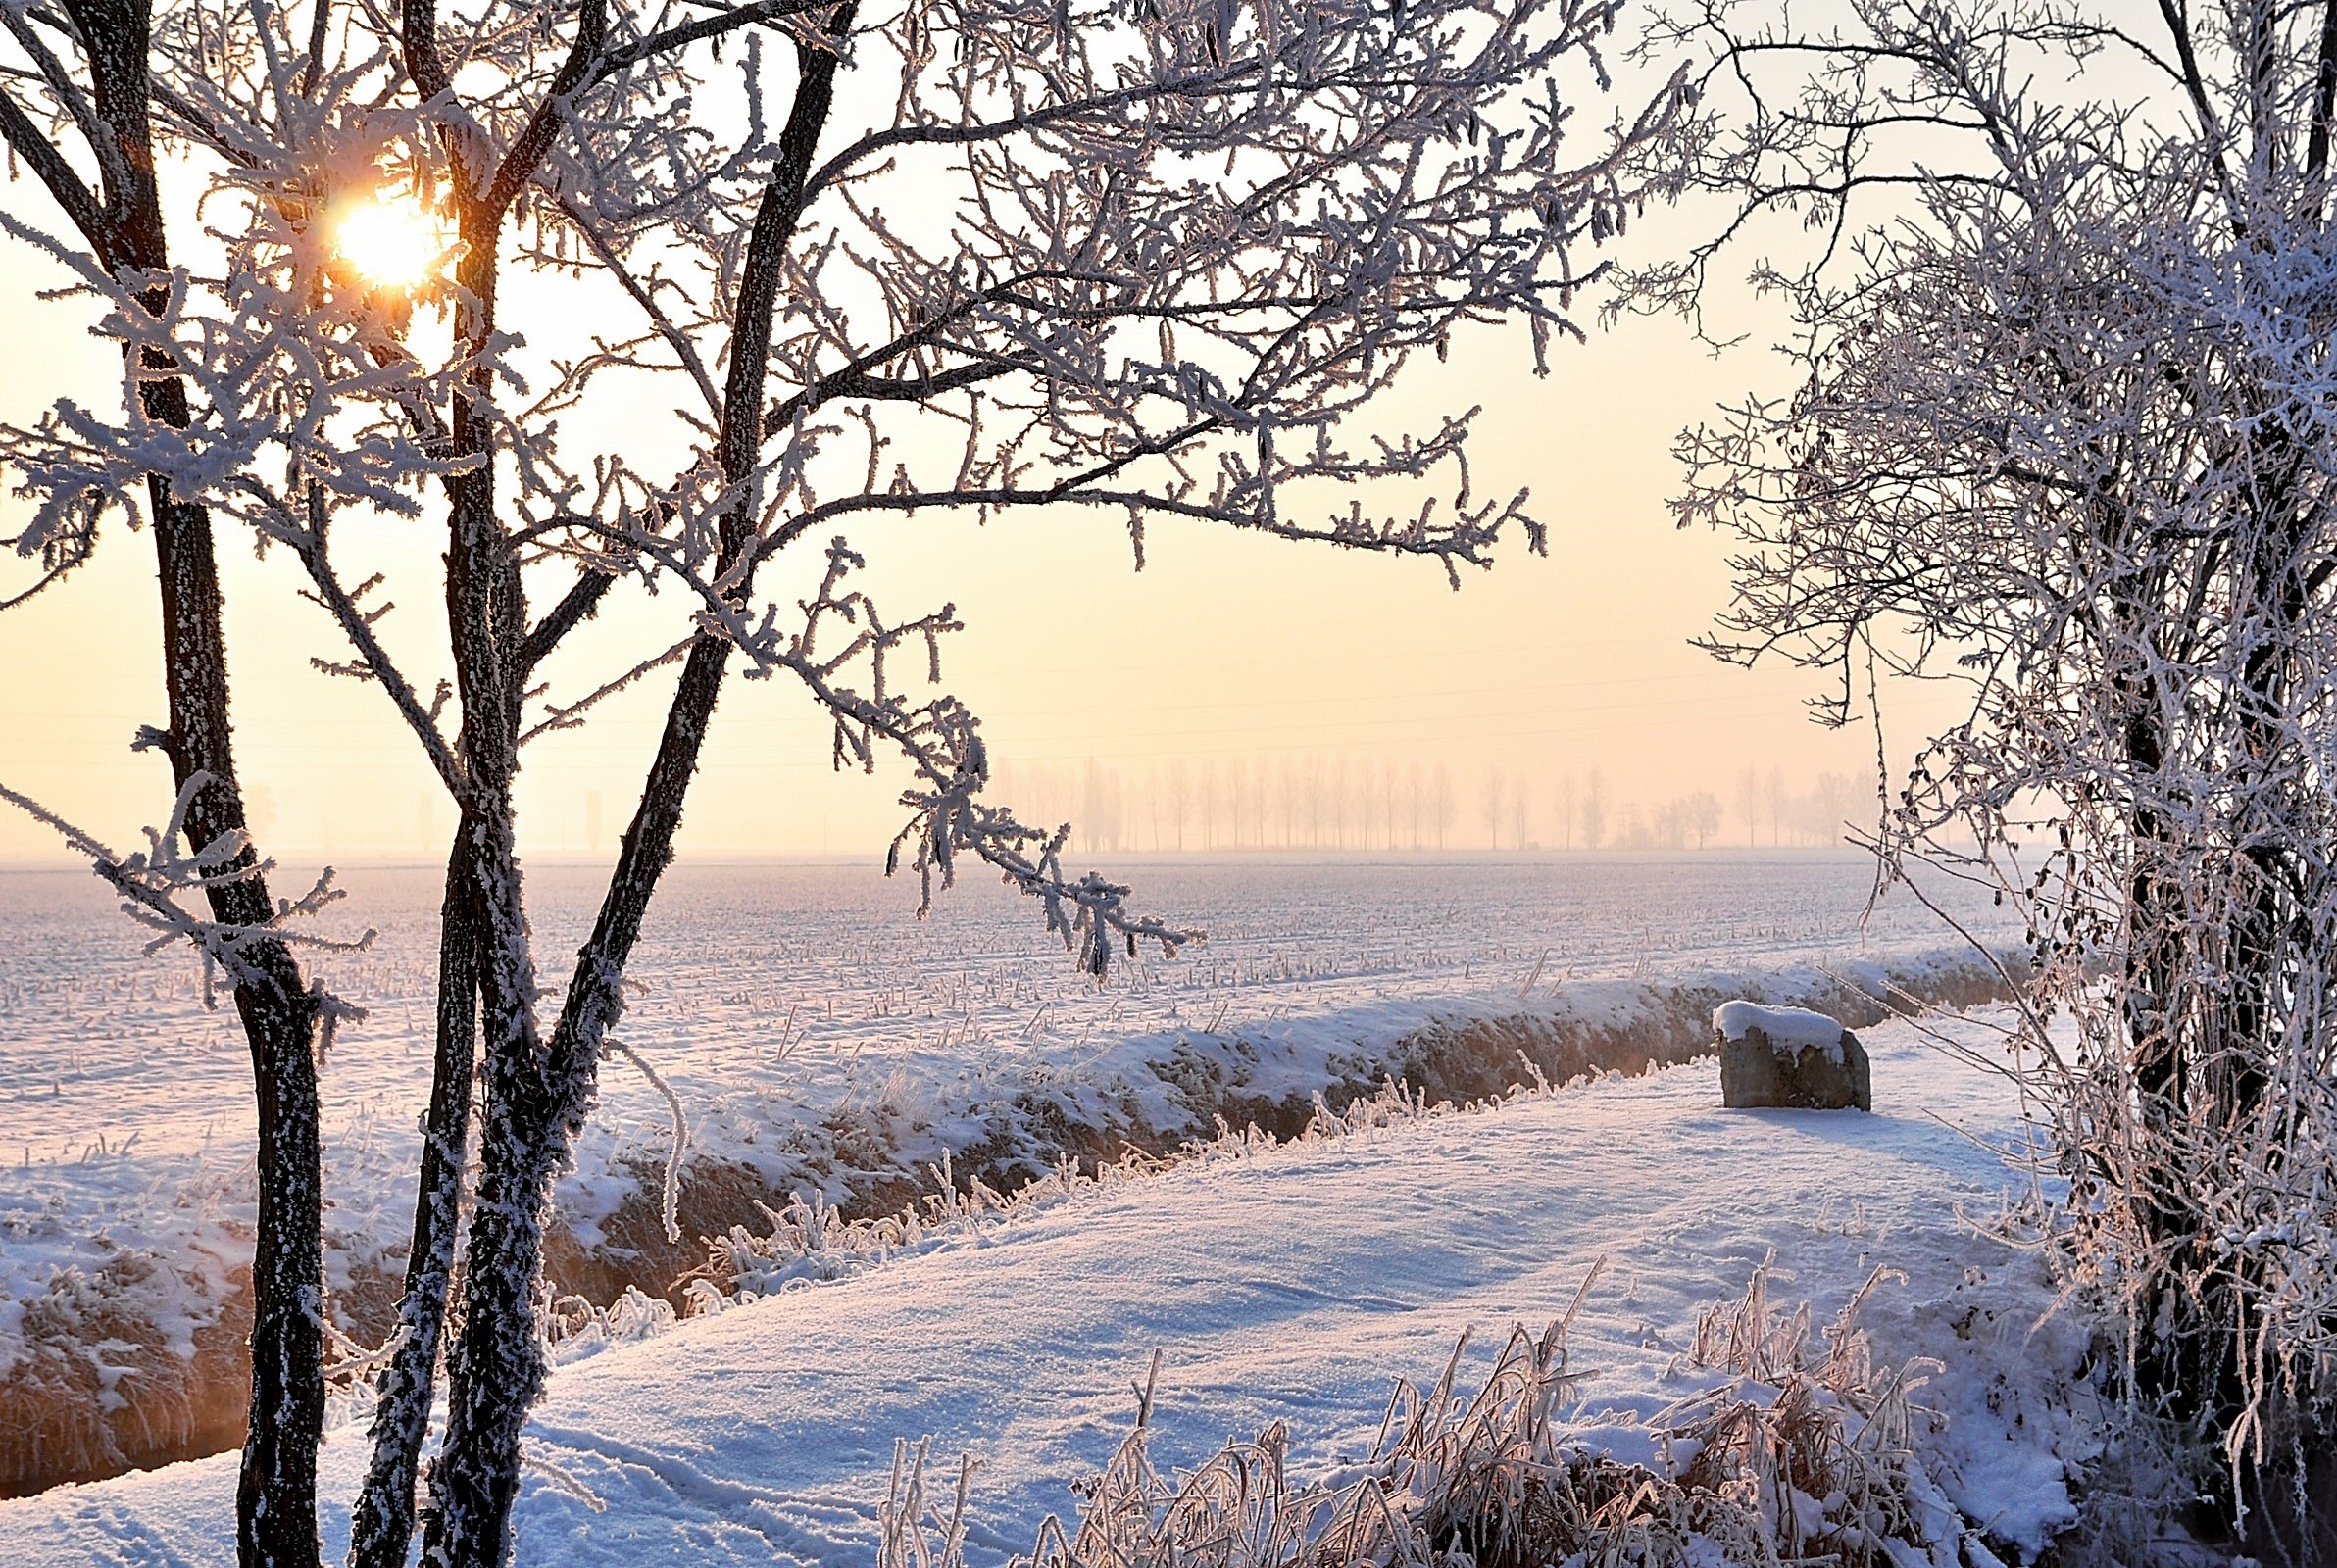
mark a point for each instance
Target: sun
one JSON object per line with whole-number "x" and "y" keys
{"x": 391, "y": 244}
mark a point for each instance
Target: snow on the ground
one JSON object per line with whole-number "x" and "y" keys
{"x": 824, "y": 970}
{"x": 1292, "y": 1284}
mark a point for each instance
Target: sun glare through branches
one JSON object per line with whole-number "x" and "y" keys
{"x": 393, "y": 244}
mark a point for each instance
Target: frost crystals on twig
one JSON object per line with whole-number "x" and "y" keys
{"x": 941, "y": 741}
{"x": 153, "y": 882}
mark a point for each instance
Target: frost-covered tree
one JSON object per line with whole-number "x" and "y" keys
{"x": 2062, "y": 433}
{"x": 78, "y": 118}
{"x": 1700, "y": 815}
{"x": 1834, "y": 807}
{"x": 922, "y": 259}
{"x": 1178, "y": 793}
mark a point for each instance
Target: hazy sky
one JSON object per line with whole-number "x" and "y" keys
{"x": 1224, "y": 647}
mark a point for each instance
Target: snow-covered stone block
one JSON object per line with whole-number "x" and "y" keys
{"x": 1789, "y": 1059}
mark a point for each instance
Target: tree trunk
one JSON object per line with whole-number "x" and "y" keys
{"x": 536, "y": 1103}
{"x": 496, "y": 1370}
{"x": 276, "y": 1492}
{"x": 381, "y": 1530}
{"x": 276, "y": 1496}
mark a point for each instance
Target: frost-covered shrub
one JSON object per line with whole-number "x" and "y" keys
{"x": 1818, "y": 1444}
{"x": 2065, "y": 435}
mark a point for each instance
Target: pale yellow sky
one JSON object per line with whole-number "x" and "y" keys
{"x": 1225, "y": 646}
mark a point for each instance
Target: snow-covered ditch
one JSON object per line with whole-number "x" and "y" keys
{"x": 120, "y": 1345}
{"x": 1292, "y": 1283}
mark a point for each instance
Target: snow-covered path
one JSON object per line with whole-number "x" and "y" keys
{"x": 1295, "y": 1284}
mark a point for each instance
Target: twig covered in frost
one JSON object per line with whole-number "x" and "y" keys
{"x": 949, "y": 763}
{"x": 680, "y": 1145}
{"x": 153, "y": 881}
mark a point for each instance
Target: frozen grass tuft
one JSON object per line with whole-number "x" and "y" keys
{"x": 1817, "y": 1446}
{"x": 1794, "y": 1455}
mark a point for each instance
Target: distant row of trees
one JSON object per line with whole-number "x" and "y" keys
{"x": 1333, "y": 804}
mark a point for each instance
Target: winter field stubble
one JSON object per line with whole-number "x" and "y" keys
{"x": 816, "y": 1039}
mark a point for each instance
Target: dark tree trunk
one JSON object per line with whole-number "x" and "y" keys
{"x": 381, "y": 1530}
{"x": 276, "y": 1493}
{"x": 2204, "y": 1049}
{"x": 276, "y": 1496}
{"x": 495, "y": 1371}
{"x": 536, "y": 1101}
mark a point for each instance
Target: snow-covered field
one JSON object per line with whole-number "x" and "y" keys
{"x": 820, "y": 1038}
{"x": 823, "y": 969}
{"x": 1291, "y": 1284}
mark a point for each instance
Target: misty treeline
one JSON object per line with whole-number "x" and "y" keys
{"x": 2059, "y": 432}
{"x": 892, "y": 265}
{"x": 1335, "y": 803}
